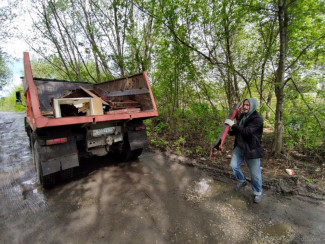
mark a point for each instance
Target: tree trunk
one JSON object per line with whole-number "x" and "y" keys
{"x": 232, "y": 83}
{"x": 268, "y": 103}
{"x": 279, "y": 81}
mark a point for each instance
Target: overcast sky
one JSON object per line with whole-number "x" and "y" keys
{"x": 15, "y": 45}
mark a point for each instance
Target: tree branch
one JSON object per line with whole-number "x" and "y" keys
{"x": 304, "y": 50}
{"x": 303, "y": 98}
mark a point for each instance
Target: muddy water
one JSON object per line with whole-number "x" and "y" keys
{"x": 151, "y": 200}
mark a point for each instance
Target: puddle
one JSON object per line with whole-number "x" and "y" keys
{"x": 282, "y": 229}
{"x": 209, "y": 187}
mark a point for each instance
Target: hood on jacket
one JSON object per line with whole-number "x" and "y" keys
{"x": 253, "y": 104}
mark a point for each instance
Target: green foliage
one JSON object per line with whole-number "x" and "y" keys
{"x": 9, "y": 103}
{"x": 51, "y": 68}
{"x": 160, "y": 127}
{"x": 309, "y": 181}
{"x": 5, "y": 72}
{"x": 189, "y": 131}
{"x": 302, "y": 130}
{"x": 159, "y": 142}
{"x": 179, "y": 144}
{"x": 198, "y": 149}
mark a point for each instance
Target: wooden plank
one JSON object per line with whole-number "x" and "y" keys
{"x": 97, "y": 106}
{"x": 126, "y": 104}
{"x": 128, "y": 92}
{"x": 92, "y": 94}
{"x": 122, "y": 111}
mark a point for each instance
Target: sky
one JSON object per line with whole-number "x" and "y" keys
{"x": 15, "y": 46}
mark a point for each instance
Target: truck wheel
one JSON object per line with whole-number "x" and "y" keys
{"x": 66, "y": 174}
{"x": 46, "y": 181}
{"x": 29, "y": 133}
{"x": 137, "y": 153}
{"x": 126, "y": 154}
{"x": 32, "y": 145}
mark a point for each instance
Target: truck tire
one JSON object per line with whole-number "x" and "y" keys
{"x": 66, "y": 174}
{"x": 137, "y": 153}
{"x": 46, "y": 181}
{"x": 29, "y": 133}
{"x": 32, "y": 144}
{"x": 127, "y": 154}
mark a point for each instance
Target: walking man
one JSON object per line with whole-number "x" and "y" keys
{"x": 248, "y": 147}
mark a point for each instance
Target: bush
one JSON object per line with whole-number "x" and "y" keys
{"x": 9, "y": 103}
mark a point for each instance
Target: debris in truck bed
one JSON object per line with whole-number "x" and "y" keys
{"x": 82, "y": 92}
{"x": 83, "y": 101}
{"x": 126, "y": 110}
{"x": 94, "y": 107}
{"x": 84, "y": 108}
{"x": 47, "y": 114}
{"x": 92, "y": 94}
{"x": 123, "y": 105}
{"x": 69, "y": 110}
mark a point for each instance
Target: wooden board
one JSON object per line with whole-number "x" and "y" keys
{"x": 92, "y": 94}
{"x": 95, "y": 105}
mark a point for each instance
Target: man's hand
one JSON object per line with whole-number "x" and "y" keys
{"x": 229, "y": 122}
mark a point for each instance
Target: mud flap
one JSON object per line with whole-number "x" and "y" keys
{"x": 58, "y": 157}
{"x": 137, "y": 139}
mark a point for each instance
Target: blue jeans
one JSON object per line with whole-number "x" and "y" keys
{"x": 254, "y": 166}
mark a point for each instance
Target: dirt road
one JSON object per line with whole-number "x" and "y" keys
{"x": 151, "y": 200}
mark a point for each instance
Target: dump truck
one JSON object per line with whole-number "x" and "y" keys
{"x": 68, "y": 120}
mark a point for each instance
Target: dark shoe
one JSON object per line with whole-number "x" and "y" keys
{"x": 258, "y": 198}
{"x": 240, "y": 185}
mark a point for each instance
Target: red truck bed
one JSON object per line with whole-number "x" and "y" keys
{"x": 39, "y": 95}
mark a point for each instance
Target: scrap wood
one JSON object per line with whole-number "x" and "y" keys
{"x": 92, "y": 94}
{"x": 125, "y": 104}
{"x": 122, "y": 111}
{"x": 84, "y": 108}
{"x": 47, "y": 113}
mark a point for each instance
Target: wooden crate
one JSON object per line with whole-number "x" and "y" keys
{"x": 95, "y": 105}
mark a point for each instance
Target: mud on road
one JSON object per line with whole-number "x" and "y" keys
{"x": 151, "y": 200}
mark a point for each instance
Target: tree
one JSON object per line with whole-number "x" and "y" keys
{"x": 5, "y": 72}
{"x": 85, "y": 33}
{"x": 6, "y": 16}
{"x": 293, "y": 16}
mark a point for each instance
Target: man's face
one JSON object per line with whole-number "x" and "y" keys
{"x": 246, "y": 106}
